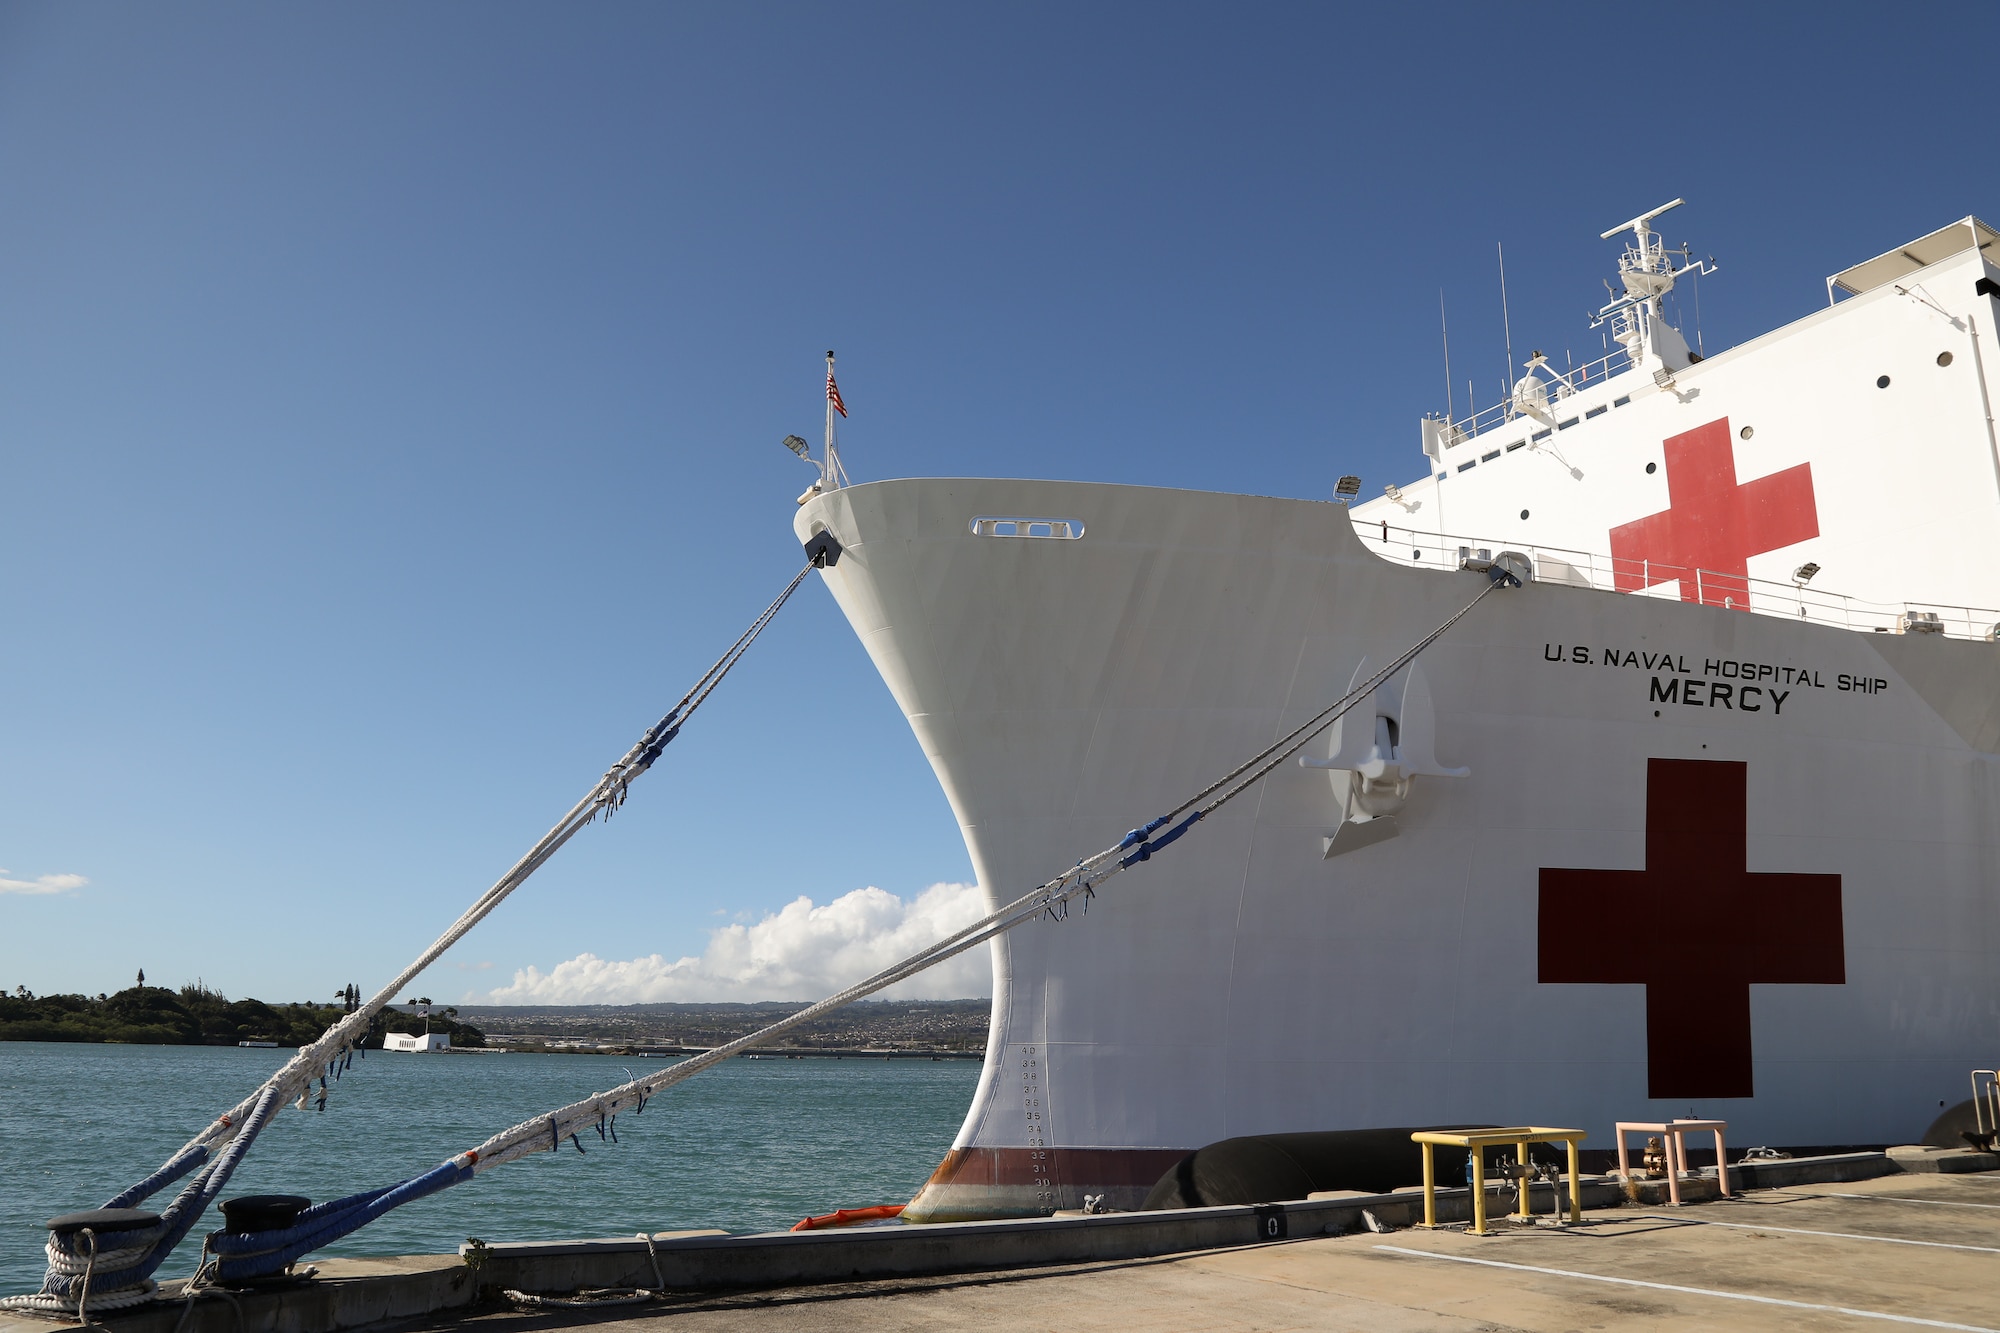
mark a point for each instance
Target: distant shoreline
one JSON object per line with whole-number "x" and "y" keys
{"x": 761, "y": 1053}
{"x": 196, "y": 1016}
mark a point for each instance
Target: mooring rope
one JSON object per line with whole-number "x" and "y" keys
{"x": 269, "y": 1252}
{"x": 231, "y": 1133}
{"x": 83, "y": 1275}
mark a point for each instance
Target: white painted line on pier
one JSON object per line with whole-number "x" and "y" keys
{"x": 1692, "y": 1291}
{"x": 1832, "y": 1235}
{"x": 1898, "y": 1198}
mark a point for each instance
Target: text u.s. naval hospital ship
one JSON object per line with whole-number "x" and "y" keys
{"x": 1612, "y": 849}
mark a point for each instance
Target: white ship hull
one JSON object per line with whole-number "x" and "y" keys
{"x": 1662, "y": 856}
{"x": 1241, "y": 984}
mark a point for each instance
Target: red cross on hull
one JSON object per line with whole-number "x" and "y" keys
{"x": 1695, "y": 927}
{"x": 1712, "y": 526}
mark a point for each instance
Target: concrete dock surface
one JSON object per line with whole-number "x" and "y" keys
{"x": 1920, "y": 1251}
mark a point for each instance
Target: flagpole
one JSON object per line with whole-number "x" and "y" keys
{"x": 834, "y": 476}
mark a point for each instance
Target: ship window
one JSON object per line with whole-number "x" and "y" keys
{"x": 1518, "y": 444}
{"x": 1524, "y": 513}
{"x": 1540, "y": 435}
{"x": 1416, "y": 554}
{"x": 1487, "y": 458}
{"x": 1651, "y": 468}
{"x": 1944, "y": 358}
{"x": 1597, "y": 411}
{"x": 1747, "y": 432}
{"x": 1468, "y": 465}
{"x": 1881, "y": 381}
{"x": 1062, "y": 529}
{"x": 1620, "y": 402}
{"x": 1565, "y": 425}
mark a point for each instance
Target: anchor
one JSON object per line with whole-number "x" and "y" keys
{"x": 1376, "y": 753}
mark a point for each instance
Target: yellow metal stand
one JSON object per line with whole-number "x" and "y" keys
{"x": 1474, "y": 1142}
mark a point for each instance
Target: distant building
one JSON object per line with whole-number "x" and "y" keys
{"x": 419, "y": 1042}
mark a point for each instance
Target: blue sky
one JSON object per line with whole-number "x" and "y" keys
{"x": 390, "y": 395}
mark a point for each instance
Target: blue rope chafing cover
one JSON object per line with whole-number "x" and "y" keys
{"x": 654, "y": 747}
{"x": 185, "y": 1162}
{"x": 1139, "y": 835}
{"x": 1146, "y": 849}
{"x": 262, "y": 1253}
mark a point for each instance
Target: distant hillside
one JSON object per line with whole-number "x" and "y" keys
{"x": 194, "y": 1016}
{"x": 929, "y": 1024}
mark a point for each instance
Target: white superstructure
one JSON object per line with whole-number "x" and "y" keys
{"x": 1864, "y": 433}
{"x": 1704, "y": 818}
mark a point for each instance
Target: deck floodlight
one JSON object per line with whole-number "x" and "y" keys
{"x": 1347, "y": 488}
{"x": 799, "y": 447}
{"x": 1804, "y": 573}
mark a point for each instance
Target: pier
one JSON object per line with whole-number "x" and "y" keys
{"x": 1909, "y": 1237}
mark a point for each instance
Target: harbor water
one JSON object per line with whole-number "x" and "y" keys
{"x": 752, "y": 1145}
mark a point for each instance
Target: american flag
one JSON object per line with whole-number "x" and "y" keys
{"x": 833, "y": 395}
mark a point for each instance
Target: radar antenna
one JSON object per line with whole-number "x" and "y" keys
{"x": 1640, "y": 224}
{"x": 1647, "y": 271}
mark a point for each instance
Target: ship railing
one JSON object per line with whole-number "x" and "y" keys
{"x": 1561, "y": 385}
{"x": 1706, "y": 587}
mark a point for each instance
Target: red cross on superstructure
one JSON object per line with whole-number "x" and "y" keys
{"x": 1712, "y": 526}
{"x": 1696, "y": 928}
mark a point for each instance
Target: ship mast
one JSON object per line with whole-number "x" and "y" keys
{"x": 1647, "y": 271}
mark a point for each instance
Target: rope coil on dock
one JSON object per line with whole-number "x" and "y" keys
{"x": 591, "y": 1298}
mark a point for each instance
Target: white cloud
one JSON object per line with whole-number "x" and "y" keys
{"x": 45, "y": 884}
{"x": 800, "y": 952}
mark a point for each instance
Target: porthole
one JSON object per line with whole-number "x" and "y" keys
{"x": 1651, "y": 468}
{"x": 1416, "y": 555}
{"x": 1524, "y": 513}
{"x": 1746, "y": 432}
{"x": 1881, "y": 381}
{"x": 1944, "y": 358}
